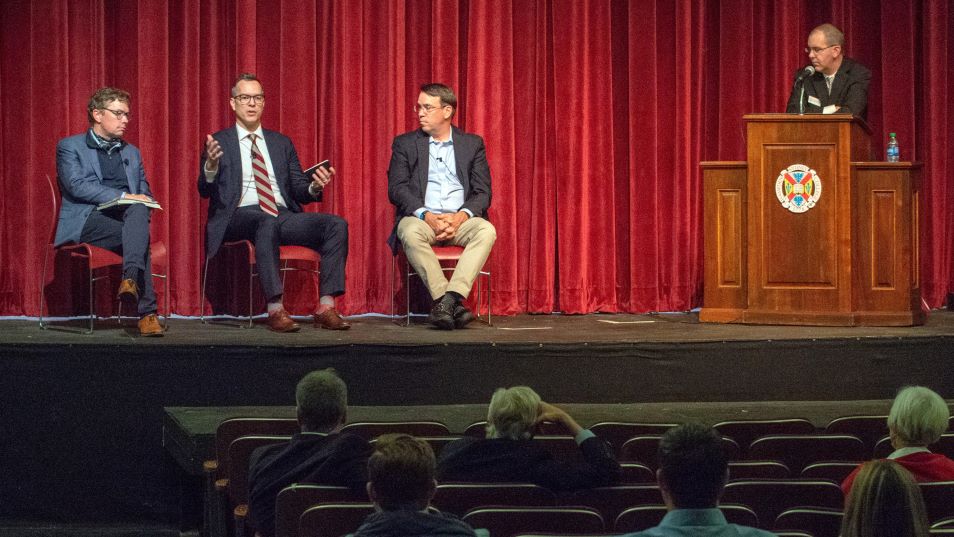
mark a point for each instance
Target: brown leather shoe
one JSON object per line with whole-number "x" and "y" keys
{"x": 331, "y": 320}
{"x": 128, "y": 289}
{"x": 280, "y": 321}
{"x": 149, "y": 325}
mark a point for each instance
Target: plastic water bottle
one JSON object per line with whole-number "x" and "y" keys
{"x": 892, "y": 152}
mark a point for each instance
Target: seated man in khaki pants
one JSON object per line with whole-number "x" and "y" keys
{"x": 439, "y": 181}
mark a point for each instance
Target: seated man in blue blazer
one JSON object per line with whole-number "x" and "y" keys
{"x": 96, "y": 167}
{"x": 256, "y": 188}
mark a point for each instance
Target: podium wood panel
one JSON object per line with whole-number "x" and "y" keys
{"x": 849, "y": 259}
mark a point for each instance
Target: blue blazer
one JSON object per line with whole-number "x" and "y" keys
{"x": 225, "y": 193}
{"x": 407, "y": 174}
{"x": 81, "y": 183}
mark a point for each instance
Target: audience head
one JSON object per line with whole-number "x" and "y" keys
{"x": 322, "y": 400}
{"x": 884, "y": 502}
{"x": 513, "y": 413}
{"x": 918, "y": 417}
{"x": 692, "y": 467}
{"x": 401, "y": 473}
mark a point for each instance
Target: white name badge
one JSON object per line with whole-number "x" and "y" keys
{"x": 830, "y": 109}
{"x": 814, "y": 100}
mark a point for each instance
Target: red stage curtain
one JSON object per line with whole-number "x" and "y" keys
{"x": 596, "y": 114}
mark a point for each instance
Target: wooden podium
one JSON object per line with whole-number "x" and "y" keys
{"x": 809, "y": 231}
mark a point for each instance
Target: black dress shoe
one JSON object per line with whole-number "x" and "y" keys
{"x": 462, "y": 316}
{"x": 442, "y": 314}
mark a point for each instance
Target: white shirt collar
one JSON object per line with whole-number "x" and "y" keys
{"x": 243, "y": 132}
{"x": 905, "y": 451}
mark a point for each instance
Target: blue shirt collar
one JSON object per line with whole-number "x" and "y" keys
{"x": 694, "y": 517}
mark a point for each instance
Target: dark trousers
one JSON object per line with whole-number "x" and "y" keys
{"x": 327, "y": 234}
{"x": 125, "y": 231}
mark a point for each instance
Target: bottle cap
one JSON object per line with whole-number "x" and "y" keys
{"x": 891, "y": 134}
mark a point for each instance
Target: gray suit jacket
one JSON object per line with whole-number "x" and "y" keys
{"x": 407, "y": 174}
{"x": 81, "y": 183}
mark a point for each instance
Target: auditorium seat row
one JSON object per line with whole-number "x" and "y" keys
{"x": 827, "y": 457}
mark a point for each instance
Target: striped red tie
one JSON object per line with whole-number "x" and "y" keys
{"x": 266, "y": 197}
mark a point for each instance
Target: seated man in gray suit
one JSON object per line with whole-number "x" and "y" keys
{"x": 96, "y": 167}
{"x": 439, "y": 182}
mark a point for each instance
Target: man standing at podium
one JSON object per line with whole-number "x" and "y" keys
{"x": 838, "y": 84}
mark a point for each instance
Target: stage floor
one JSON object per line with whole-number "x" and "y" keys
{"x": 543, "y": 329}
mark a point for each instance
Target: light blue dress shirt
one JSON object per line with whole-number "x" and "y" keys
{"x": 698, "y": 523}
{"x": 445, "y": 193}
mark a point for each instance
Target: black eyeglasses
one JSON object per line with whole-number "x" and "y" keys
{"x": 245, "y": 99}
{"x": 818, "y": 50}
{"x": 426, "y": 108}
{"x": 119, "y": 113}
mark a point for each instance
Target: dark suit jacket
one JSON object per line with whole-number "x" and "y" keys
{"x": 849, "y": 90}
{"x": 334, "y": 459}
{"x": 225, "y": 192}
{"x": 407, "y": 174}
{"x": 498, "y": 460}
{"x": 81, "y": 183}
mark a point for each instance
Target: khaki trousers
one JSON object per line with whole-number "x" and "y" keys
{"x": 476, "y": 235}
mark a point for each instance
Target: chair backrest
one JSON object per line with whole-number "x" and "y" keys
{"x": 938, "y": 499}
{"x": 233, "y": 428}
{"x": 636, "y": 473}
{"x": 611, "y": 501}
{"x": 744, "y": 432}
{"x": 799, "y": 450}
{"x": 617, "y": 432}
{"x": 817, "y": 522}
{"x": 758, "y": 470}
{"x": 945, "y": 445}
{"x": 869, "y": 429}
{"x": 437, "y": 443}
{"x": 374, "y": 429}
{"x": 770, "y": 497}
{"x": 639, "y": 518}
{"x": 509, "y": 521}
{"x": 835, "y": 472}
{"x": 459, "y": 498}
{"x": 643, "y": 449}
{"x": 295, "y": 499}
{"x": 333, "y": 520}
{"x": 882, "y": 449}
{"x": 240, "y": 452}
{"x": 477, "y": 429}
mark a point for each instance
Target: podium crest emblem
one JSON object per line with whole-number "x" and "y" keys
{"x": 798, "y": 188}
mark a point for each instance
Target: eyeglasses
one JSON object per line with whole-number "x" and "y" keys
{"x": 426, "y": 108}
{"x": 818, "y": 50}
{"x": 245, "y": 99}
{"x": 119, "y": 113}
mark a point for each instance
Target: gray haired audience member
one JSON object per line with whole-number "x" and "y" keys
{"x": 693, "y": 469}
{"x": 918, "y": 418}
{"x": 885, "y": 502}
{"x": 509, "y": 453}
{"x": 401, "y": 484}
{"x": 318, "y": 454}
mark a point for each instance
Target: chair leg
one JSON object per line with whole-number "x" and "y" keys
{"x": 407, "y": 297}
{"x": 249, "y": 294}
{"x": 92, "y": 305}
{"x": 490, "y": 297}
{"x": 46, "y": 257}
{"x": 205, "y": 279}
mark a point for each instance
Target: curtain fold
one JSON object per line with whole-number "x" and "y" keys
{"x": 595, "y": 114}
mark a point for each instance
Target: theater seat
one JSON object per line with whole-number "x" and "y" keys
{"x": 799, "y": 450}
{"x": 770, "y": 497}
{"x": 506, "y": 521}
{"x": 333, "y": 520}
{"x": 295, "y": 499}
{"x": 459, "y": 498}
{"x": 816, "y": 521}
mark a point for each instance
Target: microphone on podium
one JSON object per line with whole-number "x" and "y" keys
{"x": 806, "y": 72}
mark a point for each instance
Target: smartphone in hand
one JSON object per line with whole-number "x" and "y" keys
{"x": 326, "y": 164}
